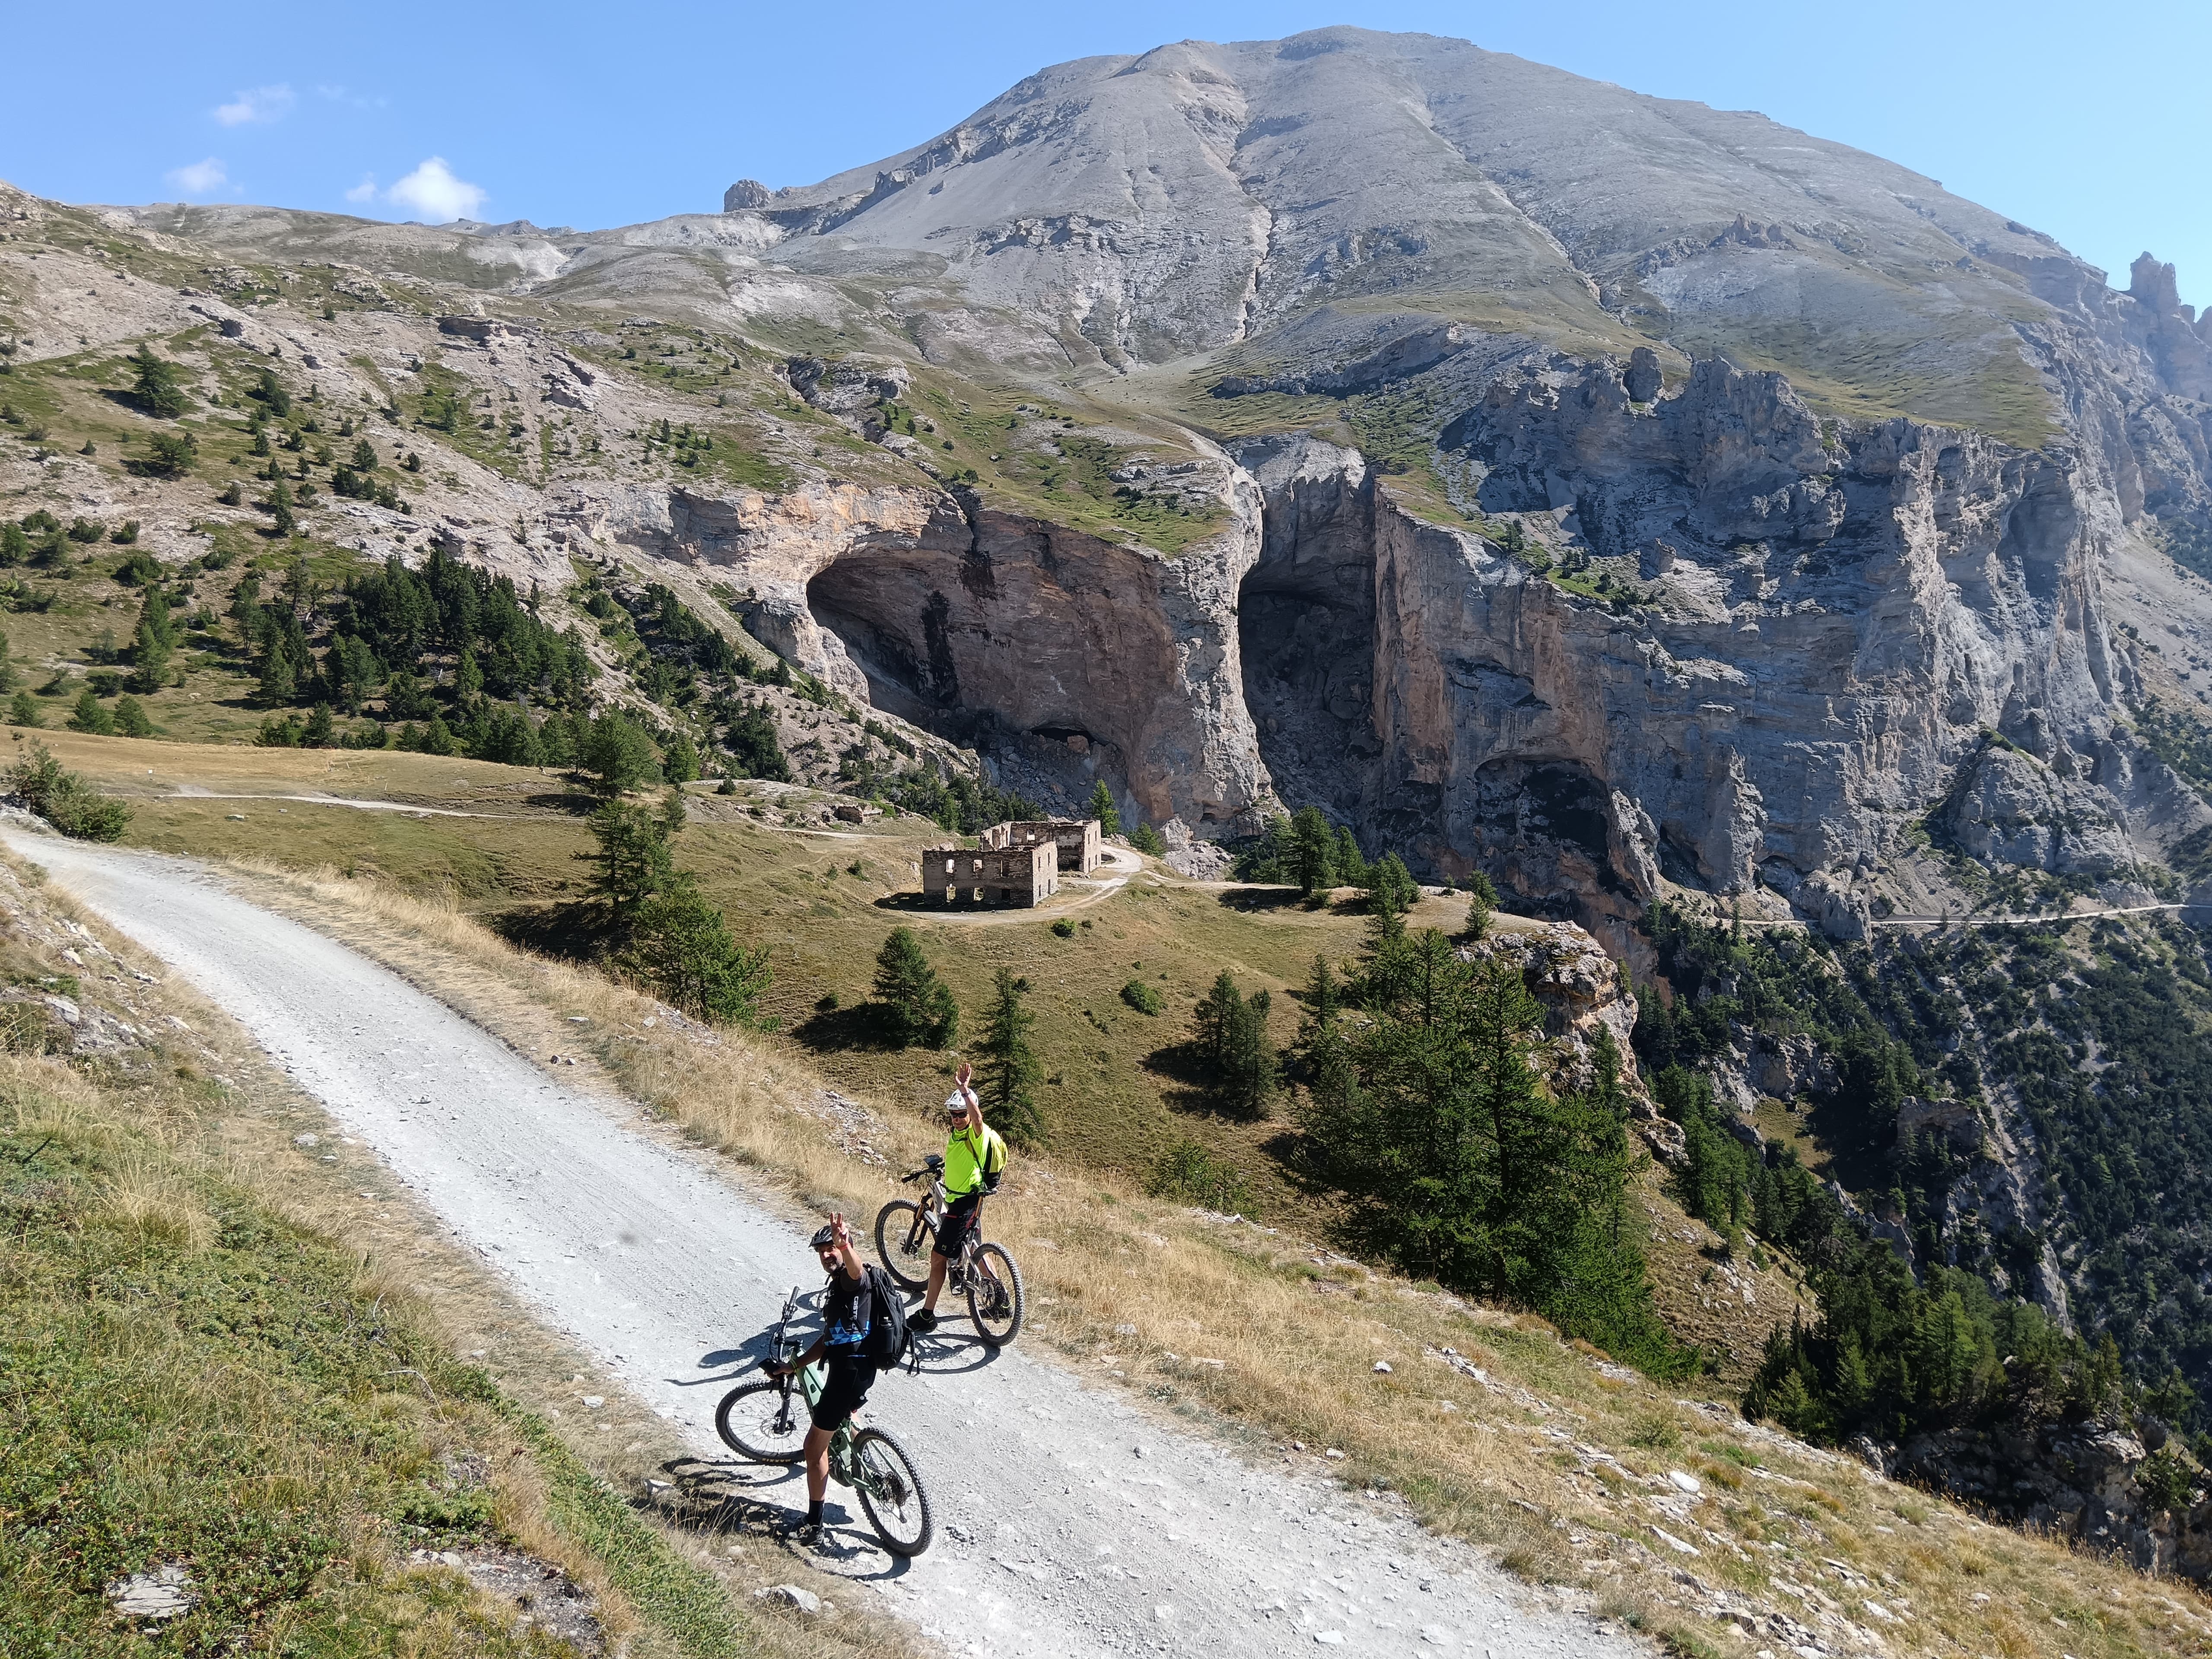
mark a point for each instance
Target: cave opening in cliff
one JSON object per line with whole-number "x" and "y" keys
{"x": 1305, "y": 632}
{"x": 893, "y": 624}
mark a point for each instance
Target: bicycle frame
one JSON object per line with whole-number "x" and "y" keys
{"x": 844, "y": 1468}
{"x": 931, "y": 1211}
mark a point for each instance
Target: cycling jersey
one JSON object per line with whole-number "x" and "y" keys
{"x": 846, "y": 1313}
{"x": 973, "y": 1160}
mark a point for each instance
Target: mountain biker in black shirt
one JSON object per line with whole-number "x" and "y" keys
{"x": 846, "y": 1308}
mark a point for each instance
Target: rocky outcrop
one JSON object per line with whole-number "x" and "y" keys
{"x": 2010, "y": 808}
{"x": 2082, "y": 1481}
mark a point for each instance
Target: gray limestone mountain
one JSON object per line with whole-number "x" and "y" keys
{"x": 1606, "y": 492}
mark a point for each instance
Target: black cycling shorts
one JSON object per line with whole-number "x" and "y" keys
{"x": 844, "y": 1390}
{"x": 955, "y": 1224}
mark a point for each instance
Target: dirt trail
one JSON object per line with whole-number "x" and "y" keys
{"x": 1071, "y": 1523}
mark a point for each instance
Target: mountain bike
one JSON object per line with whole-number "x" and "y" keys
{"x": 767, "y": 1421}
{"x": 906, "y": 1232}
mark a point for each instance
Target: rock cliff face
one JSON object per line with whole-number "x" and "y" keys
{"x": 1802, "y": 634}
{"x": 1067, "y": 657}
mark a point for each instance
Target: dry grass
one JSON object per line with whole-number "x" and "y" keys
{"x": 1553, "y": 1458}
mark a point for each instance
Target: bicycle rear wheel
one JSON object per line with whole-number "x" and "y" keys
{"x": 994, "y": 1295}
{"x": 891, "y": 1492}
{"x": 904, "y": 1241}
{"x": 766, "y": 1421}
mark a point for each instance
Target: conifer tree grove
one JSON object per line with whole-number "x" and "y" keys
{"x": 1461, "y": 1164}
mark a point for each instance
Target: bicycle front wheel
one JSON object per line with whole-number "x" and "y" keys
{"x": 902, "y": 1243}
{"x": 994, "y": 1295}
{"x": 765, "y": 1421}
{"x": 891, "y": 1492}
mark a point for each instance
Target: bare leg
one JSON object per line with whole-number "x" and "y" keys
{"x": 817, "y": 1464}
{"x": 936, "y": 1284}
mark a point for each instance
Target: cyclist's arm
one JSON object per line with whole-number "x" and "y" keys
{"x": 814, "y": 1353}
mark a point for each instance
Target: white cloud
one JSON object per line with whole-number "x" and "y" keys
{"x": 365, "y": 191}
{"x": 433, "y": 191}
{"x": 354, "y": 99}
{"x": 201, "y": 178}
{"x": 263, "y": 104}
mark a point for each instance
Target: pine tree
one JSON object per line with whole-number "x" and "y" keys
{"x": 1007, "y": 1079}
{"x": 280, "y": 508}
{"x": 364, "y": 457}
{"x": 131, "y": 718}
{"x": 279, "y": 684}
{"x": 160, "y": 388}
{"x": 320, "y": 731}
{"x": 154, "y": 640}
{"x": 633, "y": 860}
{"x": 91, "y": 715}
{"x": 618, "y": 754}
{"x": 14, "y": 545}
{"x": 273, "y": 395}
{"x": 23, "y": 710}
{"x": 681, "y": 946}
{"x": 1482, "y": 900}
{"x": 1391, "y": 888}
{"x": 918, "y": 1005}
{"x": 1351, "y": 864}
{"x": 1312, "y": 849}
{"x": 1229, "y": 1033}
{"x": 1102, "y": 809}
{"x": 679, "y": 758}
{"x": 468, "y": 680}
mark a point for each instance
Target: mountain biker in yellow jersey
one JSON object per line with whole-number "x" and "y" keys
{"x": 974, "y": 1159}
{"x": 846, "y": 1311}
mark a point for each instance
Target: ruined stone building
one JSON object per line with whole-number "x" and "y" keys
{"x": 1018, "y": 864}
{"x": 1076, "y": 838}
{"x": 1022, "y": 876}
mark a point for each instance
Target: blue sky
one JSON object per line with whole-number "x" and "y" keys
{"x": 2094, "y": 131}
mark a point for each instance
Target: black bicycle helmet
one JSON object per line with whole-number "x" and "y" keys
{"x": 824, "y": 1236}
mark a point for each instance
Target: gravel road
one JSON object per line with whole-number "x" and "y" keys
{"x": 1071, "y": 1523}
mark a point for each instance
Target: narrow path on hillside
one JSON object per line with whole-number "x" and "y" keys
{"x": 1070, "y": 1521}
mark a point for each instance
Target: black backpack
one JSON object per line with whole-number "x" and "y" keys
{"x": 888, "y": 1338}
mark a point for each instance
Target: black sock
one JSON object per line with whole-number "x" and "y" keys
{"x": 814, "y": 1513}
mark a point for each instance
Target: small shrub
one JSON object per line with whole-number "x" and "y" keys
{"x": 1063, "y": 928}
{"x": 64, "y": 799}
{"x": 124, "y": 533}
{"x": 168, "y": 455}
{"x": 1187, "y": 1171}
{"x": 2167, "y": 1481}
{"x": 139, "y": 570}
{"x": 1144, "y": 997}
